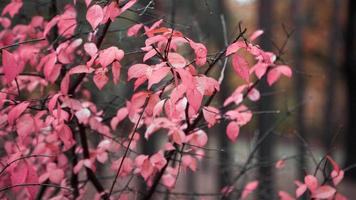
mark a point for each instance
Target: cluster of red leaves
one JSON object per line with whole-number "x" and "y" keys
{"x": 41, "y": 135}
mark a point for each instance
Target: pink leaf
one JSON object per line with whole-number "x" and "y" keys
{"x": 16, "y": 112}
{"x": 168, "y": 180}
{"x": 300, "y": 190}
{"x": 133, "y": 30}
{"x": 137, "y": 70}
{"x": 100, "y": 78}
{"x": 18, "y": 174}
{"x": 90, "y": 48}
{"x": 285, "y": 70}
{"x": 249, "y": 188}
{"x": 80, "y": 69}
{"x": 311, "y": 182}
{"x": 211, "y": 114}
{"x": 255, "y": 35}
{"x": 232, "y": 131}
{"x": 95, "y": 15}
{"x": 120, "y": 115}
{"x": 241, "y": 67}
{"x": 337, "y": 176}
{"x": 56, "y": 176}
{"x": 128, "y": 5}
{"x": 284, "y": 196}
{"x": 32, "y": 177}
{"x": 25, "y": 125}
{"x": 51, "y": 70}
{"x": 336, "y": 167}
{"x": 109, "y": 55}
{"x": 116, "y": 69}
{"x": 12, "y": 8}
{"x": 158, "y": 75}
{"x": 280, "y": 164}
{"x": 87, "y": 2}
{"x": 273, "y": 76}
{"x": 149, "y": 55}
{"x": 200, "y": 52}
{"x": 66, "y": 136}
{"x": 276, "y": 72}
{"x": 234, "y": 47}
{"x": 158, "y": 160}
{"x": 254, "y": 94}
{"x": 194, "y": 98}
{"x": 198, "y": 138}
{"x": 11, "y": 67}
{"x": 176, "y": 60}
{"x": 65, "y": 84}
{"x": 50, "y": 25}
{"x": 324, "y": 192}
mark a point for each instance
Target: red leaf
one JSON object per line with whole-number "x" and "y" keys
{"x": 90, "y": 48}
{"x": 280, "y": 164}
{"x": 50, "y": 25}
{"x": 100, "y": 78}
{"x": 232, "y": 131}
{"x": 157, "y": 76}
{"x": 234, "y": 47}
{"x": 16, "y": 112}
{"x": 25, "y": 125}
{"x": 337, "y": 176}
{"x": 194, "y": 98}
{"x": 133, "y": 30}
{"x": 109, "y": 55}
{"x": 336, "y": 167}
{"x": 116, "y": 69}
{"x": 11, "y": 67}
{"x": 176, "y": 60}
{"x": 211, "y": 114}
{"x": 18, "y": 174}
{"x": 128, "y": 5}
{"x": 95, "y": 15}
{"x": 311, "y": 182}
{"x": 51, "y": 70}
{"x": 284, "y": 196}
{"x": 241, "y": 67}
{"x": 137, "y": 70}
{"x": 200, "y": 52}
{"x": 32, "y": 178}
{"x": 324, "y": 192}
{"x": 249, "y": 188}
{"x": 255, "y": 35}
{"x": 12, "y": 8}
{"x": 276, "y": 72}
{"x": 65, "y": 134}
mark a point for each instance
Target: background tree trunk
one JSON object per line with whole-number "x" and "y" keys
{"x": 350, "y": 74}
{"x": 265, "y": 152}
{"x": 299, "y": 82}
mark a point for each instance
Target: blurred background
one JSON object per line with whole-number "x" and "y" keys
{"x": 311, "y": 115}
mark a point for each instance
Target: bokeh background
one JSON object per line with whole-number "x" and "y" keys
{"x": 313, "y": 114}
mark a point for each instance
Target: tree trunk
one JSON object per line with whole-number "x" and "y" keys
{"x": 299, "y": 82}
{"x": 265, "y": 152}
{"x": 350, "y": 74}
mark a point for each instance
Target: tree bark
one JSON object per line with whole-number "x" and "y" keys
{"x": 350, "y": 75}
{"x": 299, "y": 82}
{"x": 265, "y": 152}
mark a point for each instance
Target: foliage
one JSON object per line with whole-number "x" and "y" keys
{"x": 47, "y": 139}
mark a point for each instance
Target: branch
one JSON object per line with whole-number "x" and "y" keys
{"x": 33, "y": 184}
{"x": 92, "y": 177}
{"x": 128, "y": 146}
{"x": 23, "y": 42}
